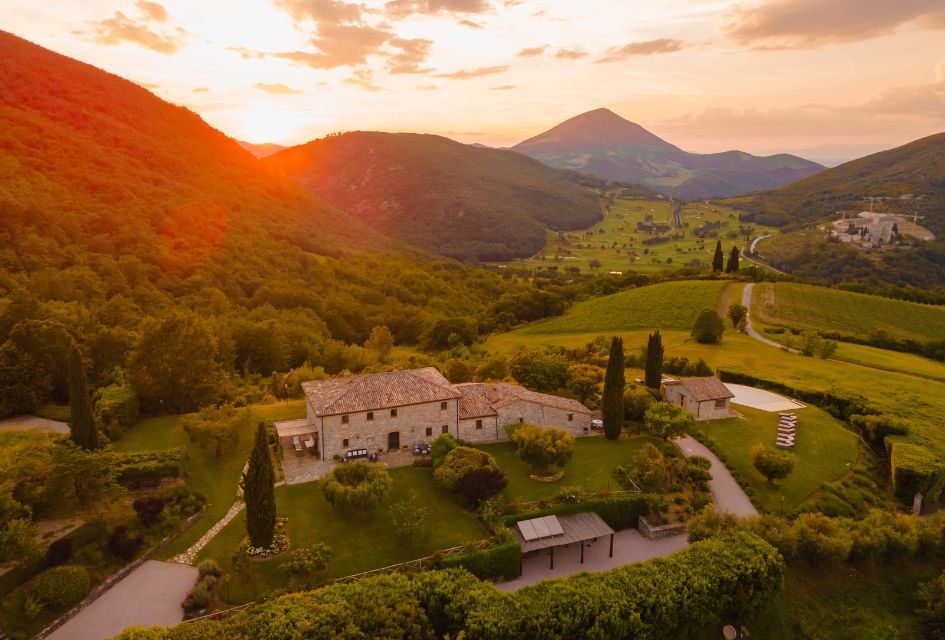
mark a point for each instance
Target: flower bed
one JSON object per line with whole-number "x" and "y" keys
{"x": 280, "y": 542}
{"x": 552, "y": 478}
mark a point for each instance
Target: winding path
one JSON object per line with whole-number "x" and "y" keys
{"x": 728, "y": 495}
{"x": 749, "y": 329}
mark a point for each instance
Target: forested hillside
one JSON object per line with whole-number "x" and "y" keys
{"x": 164, "y": 248}
{"x": 454, "y": 199}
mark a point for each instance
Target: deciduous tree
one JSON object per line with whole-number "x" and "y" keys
{"x": 222, "y": 427}
{"x": 540, "y": 370}
{"x": 381, "y": 341}
{"x": 736, "y": 313}
{"x": 543, "y": 447}
{"x": 708, "y": 327}
{"x": 667, "y": 421}
{"x": 584, "y": 381}
{"x": 772, "y": 464}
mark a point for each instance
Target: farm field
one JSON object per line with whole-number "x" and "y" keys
{"x": 619, "y": 246}
{"x": 854, "y": 314}
{"x": 825, "y": 451}
{"x": 667, "y": 305}
{"x": 358, "y": 541}
{"x": 214, "y": 477}
{"x": 591, "y": 468}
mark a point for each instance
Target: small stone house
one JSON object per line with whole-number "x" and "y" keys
{"x": 705, "y": 398}
{"x": 384, "y": 411}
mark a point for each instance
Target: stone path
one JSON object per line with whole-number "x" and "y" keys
{"x": 190, "y": 555}
{"x": 33, "y": 423}
{"x": 149, "y": 595}
{"x": 749, "y": 329}
{"x": 629, "y": 546}
{"x": 727, "y": 494}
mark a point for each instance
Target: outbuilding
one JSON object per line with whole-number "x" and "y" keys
{"x": 705, "y": 398}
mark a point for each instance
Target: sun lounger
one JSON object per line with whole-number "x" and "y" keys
{"x": 297, "y": 443}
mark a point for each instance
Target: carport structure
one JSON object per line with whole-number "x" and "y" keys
{"x": 551, "y": 531}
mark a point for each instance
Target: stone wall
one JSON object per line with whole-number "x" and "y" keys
{"x": 655, "y": 533}
{"x": 490, "y": 431}
{"x": 522, "y": 411}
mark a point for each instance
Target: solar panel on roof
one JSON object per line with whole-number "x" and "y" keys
{"x": 554, "y": 527}
{"x": 541, "y": 528}
{"x": 528, "y": 530}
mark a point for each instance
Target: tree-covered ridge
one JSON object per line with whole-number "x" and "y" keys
{"x": 450, "y": 198}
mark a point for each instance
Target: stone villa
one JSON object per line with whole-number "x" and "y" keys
{"x": 705, "y": 398}
{"x": 387, "y": 411}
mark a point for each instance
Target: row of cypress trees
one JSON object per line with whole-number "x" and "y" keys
{"x": 718, "y": 260}
{"x": 615, "y": 381}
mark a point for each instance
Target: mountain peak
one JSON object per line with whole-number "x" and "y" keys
{"x": 594, "y": 129}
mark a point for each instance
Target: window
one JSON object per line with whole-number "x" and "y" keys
{"x": 429, "y": 431}
{"x": 570, "y": 417}
{"x": 720, "y": 404}
{"x": 521, "y": 420}
{"x": 344, "y": 443}
{"x": 393, "y": 413}
{"x": 370, "y": 415}
{"x": 445, "y": 429}
{"x": 479, "y": 424}
{"x": 443, "y": 406}
{"x": 344, "y": 420}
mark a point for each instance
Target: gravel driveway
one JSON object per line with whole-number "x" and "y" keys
{"x": 728, "y": 495}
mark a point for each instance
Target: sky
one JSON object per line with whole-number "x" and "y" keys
{"x": 822, "y": 77}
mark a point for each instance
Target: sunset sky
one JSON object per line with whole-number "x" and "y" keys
{"x": 708, "y": 75}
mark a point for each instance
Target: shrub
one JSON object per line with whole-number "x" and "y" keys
{"x": 356, "y": 485}
{"x": 931, "y": 596}
{"x": 116, "y": 405}
{"x": 636, "y": 400}
{"x": 149, "y": 509}
{"x": 502, "y": 560}
{"x": 708, "y": 327}
{"x": 543, "y": 447}
{"x": 309, "y": 560}
{"x": 619, "y": 512}
{"x": 408, "y": 519}
{"x": 481, "y": 484}
{"x": 61, "y": 586}
{"x": 772, "y": 464}
{"x": 209, "y": 568}
{"x": 667, "y": 421}
{"x": 822, "y": 540}
{"x": 60, "y": 552}
{"x": 651, "y": 466}
{"x": 443, "y": 444}
{"x": 122, "y": 544}
{"x": 458, "y": 463}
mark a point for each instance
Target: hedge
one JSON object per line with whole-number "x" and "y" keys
{"x": 502, "y": 560}
{"x": 679, "y": 596}
{"x": 914, "y": 470}
{"x": 117, "y": 404}
{"x": 149, "y": 468}
{"x": 61, "y": 586}
{"x": 841, "y": 407}
{"x": 619, "y": 512}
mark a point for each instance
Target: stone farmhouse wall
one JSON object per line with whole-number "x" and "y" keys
{"x": 414, "y": 423}
{"x": 705, "y": 410}
{"x": 523, "y": 411}
{"x": 488, "y": 430}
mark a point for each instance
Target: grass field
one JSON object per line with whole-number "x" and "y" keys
{"x": 668, "y": 305}
{"x": 825, "y": 451}
{"x": 591, "y": 468}
{"x": 853, "y": 314}
{"x": 359, "y": 541}
{"x": 214, "y": 477}
{"x": 617, "y": 244}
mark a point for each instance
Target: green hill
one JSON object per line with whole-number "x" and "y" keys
{"x": 668, "y": 305}
{"x": 454, "y": 199}
{"x": 117, "y": 207}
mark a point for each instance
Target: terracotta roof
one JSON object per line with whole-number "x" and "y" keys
{"x": 352, "y": 394}
{"x": 475, "y": 402}
{"x": 503, "y": 393}
{"x": 703, "y": 389}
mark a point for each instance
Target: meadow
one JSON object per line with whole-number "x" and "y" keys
{"x": 618, "y": 245}
{"x": 858, "y": 315}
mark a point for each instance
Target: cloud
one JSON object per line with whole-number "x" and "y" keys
{"x": 138, "y": 30}
{"x": 328, "y": 11}
{"x": 504, "y": 87}
{"x": 426, "y": 87}
{"x": 465, "y": 74}
{"x": 363, "y": 79}
{"x": 276, "y": 88}
{"x": 570, "y": 54}
{"x": 339, "y": 45}
{"x": 201, "y": 89}
{"x": 792, "y": 24}
{"x": 470, "y": 24}
{"x": 532, "y": 51}
{"x": 153, "y": 9}
{"x": 408, "y": 55}
{"x": 645, "y": 48}
{"x": 398, "y": 9}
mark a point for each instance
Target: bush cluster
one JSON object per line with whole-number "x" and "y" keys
{"x": 501, "y": 561}
{"x": 61, "y": 586}
{"x": 681, "y": 366}
{"x": 208, "y": 575}
{"x": 122, "y": 543}
{"x": 147, "y": 469}
{"x": 670, "y": 598}
{"x": 356, "y": 485}
{"x": 619, "y": 512}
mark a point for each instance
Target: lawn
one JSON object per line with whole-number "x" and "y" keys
{"x": 825, "y": 451}
{"x": 590, "y": 469}
{"x": 668, "y": 305}
{"x": 617, "y": 244}
{"x": 359, "y": 541}
{"x": 854, "y": 314}
{"x": 214, "y": 477}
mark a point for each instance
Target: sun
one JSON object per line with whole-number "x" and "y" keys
{"x": 261, "y": 124}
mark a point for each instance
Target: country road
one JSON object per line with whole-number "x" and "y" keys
{"x": 749, "y": 329}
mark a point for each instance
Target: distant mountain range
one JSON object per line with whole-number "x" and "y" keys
{"x": 459, "y": 200}
{"x": 261, "y": 150}
{"x": 602, "y": 143}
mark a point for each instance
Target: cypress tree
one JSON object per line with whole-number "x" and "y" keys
{"x": 83, "y": 431}
{"x": 614, "y": 384}
{"x": 718, "y": 260}
{"x": 654, "y": 361}
{"x": 732, "y": 265}
{"x": 259, "y": 493}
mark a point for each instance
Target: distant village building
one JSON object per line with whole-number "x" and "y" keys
{"x": 871, "y": 230}
{"x": 705, "y": 398}
{"x": 386, "y": 411}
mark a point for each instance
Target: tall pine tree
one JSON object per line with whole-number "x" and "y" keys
{"x": 83, "y": 432}
{"x": 718, "y": 260}
{"x": 259, "y": 493}
{"x": 614, "y": 384}
{"x": 732, "y": 265}
{"x": 654, "y": 361}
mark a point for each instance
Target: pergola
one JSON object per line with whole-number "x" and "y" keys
{"x": 553, "y": 531}
{"x": 294, "y": 430}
